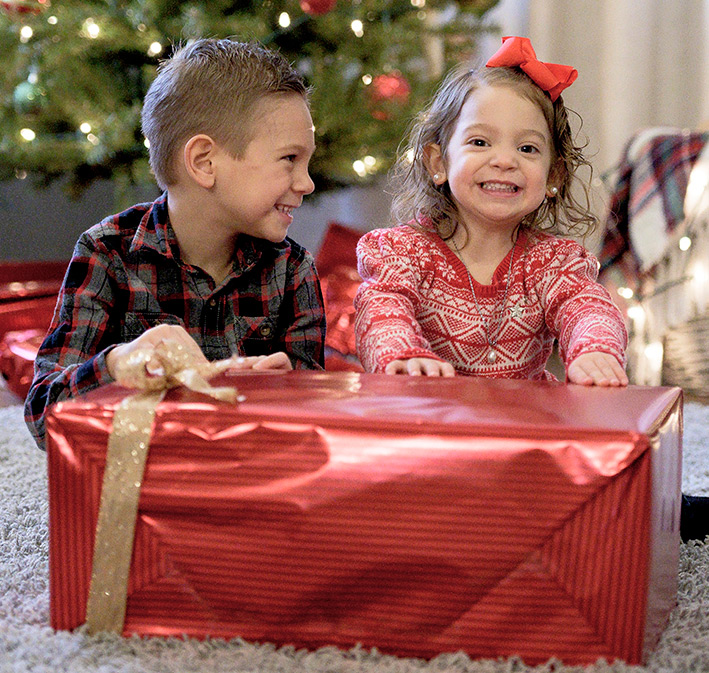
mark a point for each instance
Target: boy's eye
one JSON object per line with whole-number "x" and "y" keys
{"x": 290, "y": 157}
{"x": 478, "y": 142}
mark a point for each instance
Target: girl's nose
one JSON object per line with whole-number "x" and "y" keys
{"x": 504, "y": 157}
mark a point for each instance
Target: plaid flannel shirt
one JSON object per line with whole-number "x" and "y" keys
{"x": 126, "y": 276}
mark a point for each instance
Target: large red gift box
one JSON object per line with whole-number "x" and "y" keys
{"x": 414, "y": 515}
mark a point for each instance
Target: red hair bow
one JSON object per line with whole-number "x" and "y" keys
{"x": 518, "y": 52}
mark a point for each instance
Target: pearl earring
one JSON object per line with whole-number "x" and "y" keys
{"x": 554, "y": 191}
{"x": 436, "y": 176}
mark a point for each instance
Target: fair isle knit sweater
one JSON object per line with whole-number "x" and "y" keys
{"x": 415, "y": 301}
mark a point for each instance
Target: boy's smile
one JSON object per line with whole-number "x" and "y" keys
{"x": 257, "y": 192}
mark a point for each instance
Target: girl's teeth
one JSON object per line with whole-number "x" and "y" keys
{"x": 494, "y": 187}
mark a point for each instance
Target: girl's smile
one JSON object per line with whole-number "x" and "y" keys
{"x": 498, "y": 159}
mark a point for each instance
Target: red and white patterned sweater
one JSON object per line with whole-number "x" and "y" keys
{"x": 415, "y": 301}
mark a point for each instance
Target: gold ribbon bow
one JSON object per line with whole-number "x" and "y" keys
{"x": 153, "y": 371}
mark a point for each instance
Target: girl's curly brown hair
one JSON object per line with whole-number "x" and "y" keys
{"x": 416, "y": 196}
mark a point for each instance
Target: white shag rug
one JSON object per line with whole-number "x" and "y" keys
{"x": 28, "y": 644}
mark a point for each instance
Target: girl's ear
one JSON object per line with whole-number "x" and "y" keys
{"x": 557, "y": 175}
{"x": 434, "y": 163}
{"x": 199, "y": 156}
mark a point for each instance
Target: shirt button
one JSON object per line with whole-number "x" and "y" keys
{"x": 265, "y": 330}
{"x": 212, "y": 302}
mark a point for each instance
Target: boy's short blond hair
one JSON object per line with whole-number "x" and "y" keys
{"x": 213, "y": 87}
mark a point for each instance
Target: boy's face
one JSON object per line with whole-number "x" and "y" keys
{"x": 257, "y": 192}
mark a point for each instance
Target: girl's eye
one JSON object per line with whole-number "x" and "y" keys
{"x": 478, "y": 142}
{"x": 528, "y": 149}
{"x": 290, "y": 157}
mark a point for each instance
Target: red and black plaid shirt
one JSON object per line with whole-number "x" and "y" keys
{"x": 126, "y": 276}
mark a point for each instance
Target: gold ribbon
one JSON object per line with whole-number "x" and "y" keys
{"x": 153, "y": 371}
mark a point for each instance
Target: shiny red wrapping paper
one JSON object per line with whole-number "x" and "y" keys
{"x": 414, "y": 515}
{"x": 18, "y": 351}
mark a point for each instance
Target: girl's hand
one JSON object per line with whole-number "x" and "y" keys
{"x": 596, "y": 369}
{"x": 420, "y": 367}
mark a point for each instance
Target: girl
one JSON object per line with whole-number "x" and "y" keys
{"x": 480, "y": 281}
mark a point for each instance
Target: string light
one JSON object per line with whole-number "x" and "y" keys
{"x": 636, "y": 313}
{"x": 700, "y": 275}
{"x": 146, "y": 142}
{"x": 91, "y": 28}
{"x": 28, "y": 134}
{"x": 154, "y": 49}
{"x": 25, "y": 34}
{"x": 365, "y": 165}
{"x": 625, "y": 292}
{"x": 367, "y": 79}
{"x": 357, "y": 28}
{"x": 284, "y": 20}
{"x": 653, "y": 353}
{"x": 85, "y": 127}
{"x": 52, "y": 20}
{"x": 685, "y": 243}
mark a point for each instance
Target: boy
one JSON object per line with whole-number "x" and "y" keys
{"x": 208, "y": 264}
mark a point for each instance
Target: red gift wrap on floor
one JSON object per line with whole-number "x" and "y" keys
{"x": 415, "y": 515}
{"x": 18, "y": 351}
{"x": 28, "y": 294}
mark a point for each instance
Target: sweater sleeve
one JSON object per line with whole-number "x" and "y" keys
{"x": 386, "y": 328}
{"x": 72, "y": 357}
{"x": 578, "y": 309}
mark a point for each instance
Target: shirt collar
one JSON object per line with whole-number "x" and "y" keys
{"x": 154, "y": 231}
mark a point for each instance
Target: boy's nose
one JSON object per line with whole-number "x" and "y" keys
{"x": 304, "y": 184}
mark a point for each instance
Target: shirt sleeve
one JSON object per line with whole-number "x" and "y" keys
{"x": 72, "y": 357}
{"x": 386, "y": 328}
{"x": 303, "y": 336}
{"x": 578, "y": 309}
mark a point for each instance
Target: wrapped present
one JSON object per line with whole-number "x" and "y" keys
{"x": 18, "y": 350}
{"x": 414, "y": 515}
{"x": 26, "y": 314}
{"x": 337, "y": 268}
{"x": 28, "y": 294}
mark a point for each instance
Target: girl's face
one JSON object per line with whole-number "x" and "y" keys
{"x": 498, "y": 161}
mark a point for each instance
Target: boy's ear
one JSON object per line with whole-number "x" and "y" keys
{"x": 434, "y": 163}
{"x": 198, "y": 155}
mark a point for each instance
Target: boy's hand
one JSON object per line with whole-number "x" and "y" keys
{"x": 420, "y": 367}
{"x": 597, "y": 369}
{"x": 262, "y": 362}
{"x": 118, "y": 357}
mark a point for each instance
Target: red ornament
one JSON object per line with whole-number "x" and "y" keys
{"x": 317, "y": 7}
{"x": 23, "y": 6}
{"x": 388, "y": 92}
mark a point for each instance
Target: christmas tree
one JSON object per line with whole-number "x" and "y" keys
{"x": 75, "y": 72}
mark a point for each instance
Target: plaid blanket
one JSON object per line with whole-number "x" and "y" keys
{"x": 647, "y": 200}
